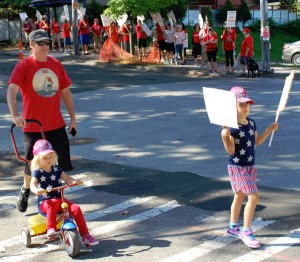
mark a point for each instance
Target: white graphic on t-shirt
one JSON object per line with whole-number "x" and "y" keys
{"x": 45, "y": 82}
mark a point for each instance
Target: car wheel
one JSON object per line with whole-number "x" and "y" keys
{"x": 296, "y": 60}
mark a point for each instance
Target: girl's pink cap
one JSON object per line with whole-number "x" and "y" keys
{"x": 42, "y": 147}
{"x": 241, "y": 95}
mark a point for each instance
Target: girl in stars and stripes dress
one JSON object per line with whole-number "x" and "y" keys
{"x": 47, "y": 174}
{"x": 240, "y": 144}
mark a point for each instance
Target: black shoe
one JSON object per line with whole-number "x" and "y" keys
{"x": 22, "y": 202}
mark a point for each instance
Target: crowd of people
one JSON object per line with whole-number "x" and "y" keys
{"x": 171, "y": 41}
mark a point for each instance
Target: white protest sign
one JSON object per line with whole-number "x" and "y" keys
{"x": 141, "y": 18}
{"x": 23, "y": 16}
{"x": 62, "y": 17}
{"x": 66, "y": 11}
{"x": 38, "y": 15}
{"x": 284, "y": 98}
{"x": 105, "y": 20}
{"x": 221, "y": 107}
{"x": 231, "y": 18}
{"x": 200, "y": 20}
{"x": 122, "y": 19}
{"x": 146, "y": 29}
{"x": 172, "y": 17}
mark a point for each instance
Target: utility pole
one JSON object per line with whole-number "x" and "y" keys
{"x": 75, "y": 6}
{"x": 265, "y": 36}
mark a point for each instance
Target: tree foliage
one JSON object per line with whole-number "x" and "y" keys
{"x": 243, "y": 12}
{"x": 179, "y": 10}
{"x": 135, "y": 8}
{"x": 94, "y": 9}
{"x": 223, "y": 11}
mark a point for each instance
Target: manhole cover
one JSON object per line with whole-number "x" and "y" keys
{"x": 77, "y": 141}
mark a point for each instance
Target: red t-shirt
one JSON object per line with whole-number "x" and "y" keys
{"x": 196, "y": 38}
{"x": 84, "y": 28}
{"x": 248, "y": 42}
{"x": 159, "y": 32}
{"x": 27, "y": 27}
{"x": 44, "y": 25}
{"x": 125, "y": 33}
{"x": 55, "y": 28}
{"x": 210, "y": 46}
{"x": 114, "y": 34}
{"x": 66, "y": 31}
{"x": 97, "y": 28}
{"x": 41, "y": 84}
{"x": 228, "y": 39}
{"x": 140, "y": 32}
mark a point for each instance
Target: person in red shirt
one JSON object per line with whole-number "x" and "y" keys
{"x": 84, "y": 34}
{"x": 55, "y": 34}
{"x": 44, "y": 84}
{"x": 97, "y": 35}
{"x": 211, "y": 41}
{"x": 44, "y": 24}
{"x": 141, "y": 37}
{"x": 28, "y": 28}
{"x": 196, "y": 46}
{"x": 228, "y": 44}
{"x": 66, "y": 35}
{"x": 125, "y": 31}
{"x": 160, "y": 40}
{"x": 246, "y": 50}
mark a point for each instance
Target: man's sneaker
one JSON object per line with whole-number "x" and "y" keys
{"x": 22, "y": 202}
{"x": 89, "y": 240}
{"x": 234, "y": 232}
{"x": 51, "y": 234}
{"x": 249, "y": 239}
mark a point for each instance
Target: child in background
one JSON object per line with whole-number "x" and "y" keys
{"x": 179, "y": 37}
{"x": 46, "y": 173}
{"x": 240, "y": 144}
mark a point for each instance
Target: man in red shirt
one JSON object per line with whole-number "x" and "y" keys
{"x": 125, "y": 31}
{"x": 55, "y": 34}
{"x": 160, "y": 40}
{"x": 141, "y": 37}
{"x": 246, "y": 51}
{"x": 84, "y": 32}
{"x": 43, "y": 83}
{"x": 27, "y": 27}
{"x": 97, "y": 35}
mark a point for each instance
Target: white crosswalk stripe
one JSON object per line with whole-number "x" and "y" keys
{"x": 211, "y": 245}
{"x": 272, "y": 248}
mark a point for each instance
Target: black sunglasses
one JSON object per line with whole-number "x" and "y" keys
{"x": 42, "y": 43}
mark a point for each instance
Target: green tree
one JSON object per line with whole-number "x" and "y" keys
{"x": 243, "y": 13}
{"x": 10, "y": 8}
{"x": 94, "y": 10}
{"x": 179, "y": 10}
{"x": 133, "y": 8}
{"x": 223, "y": 11}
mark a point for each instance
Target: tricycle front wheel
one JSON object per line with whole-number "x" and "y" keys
{"x": 71, "y": 242}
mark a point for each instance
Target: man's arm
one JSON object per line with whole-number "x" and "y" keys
{"x": 11, "y": 98}
{"x": 68, "y": 100}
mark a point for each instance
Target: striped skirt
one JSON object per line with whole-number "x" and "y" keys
{"x": 242, "y": 178}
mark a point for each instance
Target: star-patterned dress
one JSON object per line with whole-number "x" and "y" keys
{"x": 241, "y": 167}
{"x": 48, "y": 180}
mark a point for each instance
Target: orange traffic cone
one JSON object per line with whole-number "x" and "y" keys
{"x": 20, "y": 48}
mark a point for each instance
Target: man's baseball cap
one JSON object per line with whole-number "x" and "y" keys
{"x": 38, "y": 35}
{"x": 246, "y": 30}
{"x": 42, "y": 147}
{"x": 241, "y": 95}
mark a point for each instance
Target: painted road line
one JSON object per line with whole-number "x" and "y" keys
{"x": 272, "y": 248}
{"x": 28, "y": 254}
{"x": 136, "y": 219}
{"x": 89, "y": 216}
{"x": 211, "y": 245}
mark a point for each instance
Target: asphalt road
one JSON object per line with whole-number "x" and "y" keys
{"x": 143, "y": 133}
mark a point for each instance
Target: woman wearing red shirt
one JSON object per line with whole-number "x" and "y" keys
{"x": 228, "y": 44}
{"x": 141, "y": 37}
{"x": 197, "y": 49}
{"x": 113, "y": 32}
{"x": 211, "y": 41}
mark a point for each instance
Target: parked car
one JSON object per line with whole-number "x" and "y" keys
{"x": 291, "y": 53}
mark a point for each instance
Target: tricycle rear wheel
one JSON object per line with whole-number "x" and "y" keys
{"x": 25, "y": 237}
